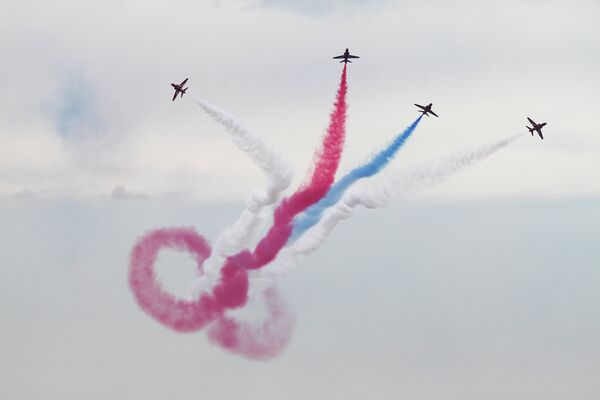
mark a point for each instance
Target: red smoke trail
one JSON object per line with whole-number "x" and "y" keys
{"x": 232, "y": 289}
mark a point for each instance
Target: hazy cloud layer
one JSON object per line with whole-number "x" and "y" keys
{"x": 489, "y": 300}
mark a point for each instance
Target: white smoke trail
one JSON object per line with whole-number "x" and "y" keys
{"x": 279, "y": 173}
{"x": 419, "y": 178}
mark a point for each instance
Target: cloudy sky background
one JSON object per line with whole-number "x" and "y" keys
{"x": 484, "y": 286}
{"x": 86, "y": 105}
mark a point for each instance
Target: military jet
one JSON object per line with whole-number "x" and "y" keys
{"x": 179, "y": 88}
{"x": 536, "y": 128}
{"x": 346, "y": 56}
{"x": 426, "y": 110}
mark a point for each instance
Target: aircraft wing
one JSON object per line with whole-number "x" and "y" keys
{"x": 420, "y": 106}
{"x": 184, "y": 82}
{"x": 530, "y": 120}
{"x": 175, "y": 95}
{"x": 353, "y": 56}
{"x": 431, "y": 112}
{"x": 342, "y": 56}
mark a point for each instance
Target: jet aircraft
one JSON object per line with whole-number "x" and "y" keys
{"x": 345, "y": 57}
{"x": 537, "y": 128}
{"x": 426, "y": 110}
{"x": 179, "y": 88}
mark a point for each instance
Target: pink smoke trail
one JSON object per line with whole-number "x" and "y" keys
{"x": 164, "y": 307}
{"x": 232, "y": 289}
{"x": 260, "y": 342}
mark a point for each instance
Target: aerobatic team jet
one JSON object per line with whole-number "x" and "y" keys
{"x": 345, "y": 57}
{"x": 536, "y": 128}
{"x": 426, "y": 110}
{"x": 179, "y": 88}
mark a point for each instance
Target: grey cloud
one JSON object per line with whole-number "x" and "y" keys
{"x": 316, "y": 7}
{"x": 19, "y": 195}
{"x": 122, "y": 193}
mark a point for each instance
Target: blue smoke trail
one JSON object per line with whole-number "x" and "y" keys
{"x": 313, "y": 214}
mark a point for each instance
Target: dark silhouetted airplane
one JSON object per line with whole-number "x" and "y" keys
{"x": 536, "y": 128}
{"x": 346, "y": 57}
{"x": 179, "y": 88}
{"x": 426, "y": 110}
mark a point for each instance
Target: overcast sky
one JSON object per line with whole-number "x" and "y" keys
{"x": 86, "y": 106}
{"x": 485, "y": 286}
